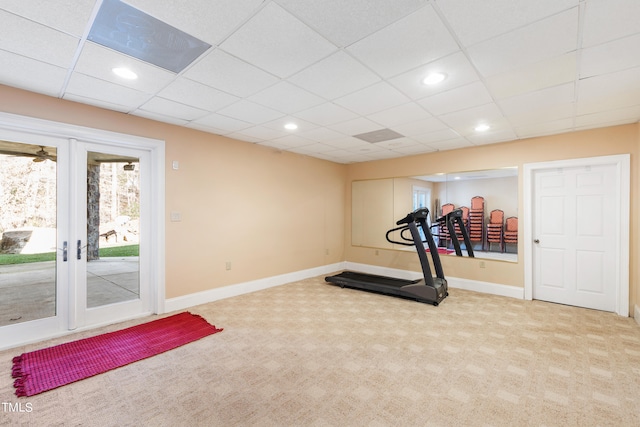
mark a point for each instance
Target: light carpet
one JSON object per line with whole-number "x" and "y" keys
{"x": 313, "y": 354}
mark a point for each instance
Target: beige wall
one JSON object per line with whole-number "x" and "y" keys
{"x": 271, "y": 213}
{"x": 598, "y": 142}
{"x": 266, "y": 212}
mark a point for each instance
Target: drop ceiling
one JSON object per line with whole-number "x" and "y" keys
{"x": 339, "y": 68}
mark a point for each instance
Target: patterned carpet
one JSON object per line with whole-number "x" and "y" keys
{"x": 313, "y": 354}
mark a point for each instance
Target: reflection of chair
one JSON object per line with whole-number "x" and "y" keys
{"x": 510, "y": 234}
{"x": 465, "y": 222}
{"x": 476, "y": 219}
{"x": 495, "y": 228}
{"x": 443, "y": 232}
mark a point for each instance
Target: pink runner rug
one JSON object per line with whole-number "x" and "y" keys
{"x": 52, "y": 367}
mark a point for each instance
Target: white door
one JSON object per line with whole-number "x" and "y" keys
{"x": 576, "y": 235}
{"x": 60, "y": 288}
{"x": 110, "y": 213}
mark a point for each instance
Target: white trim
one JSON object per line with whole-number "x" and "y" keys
{"x": 453, "y": 282}
{"x": 636, "y": 314}
{"x": 623, "y": 175}
{"x": 44, "y": 132}
{"x": 486, "y": 287}
{"x": 186, "y": 301}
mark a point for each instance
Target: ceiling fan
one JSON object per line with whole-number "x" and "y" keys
{"x": 39, "y": 156}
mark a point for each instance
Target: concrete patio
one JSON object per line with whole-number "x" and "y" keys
{"x": 27, "y": 291}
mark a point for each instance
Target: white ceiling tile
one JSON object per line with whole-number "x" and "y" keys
{"x": 335, "y": 76}
{"x": 500, "y": 135}
{"x": 33, "y": 75}
{"x": 607, "y": 20}
{"x": 609, "y": 91}
{"x": 411, "y": 150}
{"x": 287, "y": 142}
{"x": 169, "y": 108}
{"x": 533, "y": 77}
{"x": 222, "y": 71}
{"x": 321, "y": 134}
{"x": 242, "y": 137}
{"x": 223, "y": 123}
{"x": 96, "y": 103}
{"x": 262, "y": 133}
{"x": 213, "y": 20}
{"x": 346, "y": 22}
{"x": 312, "y": 149}
{"x": 420, "y": 127}
{"x": 541, "y": 105}
{"x": 465, "y": 121}
{"x": 250, "y": 112}
{"x": 393, "y": 144}
{"x": 277, "y": 42}
{"x": 196, "y": 94}
{"x": 475, "y": 21}
{"x": 408, "y": 43}
{"x": 372, "y": 99}
{"x": 26, "y": 38}
{"x": 160, "y": 117}
{"x": 69, "y": 16}
{"x": 450, "y": 144}
{"x": 97, "y": 61}
{"x": 547, "y": 128}
{"x": 549, "y": 38}
{"x": 279, "y": 124}
{"x": 404, "y": 113}
{"x": 349, "y": 143}
{"x": 437, "y": 136}
{"x": 610, "y": 57}
{"x": 605, "y": 118}
{"x": 100, "y": 90}
{"x": 457, "y": 67}
{"x": 286, "y": 98}
{"x": 460, "y": 98}
{"x": 355, "y": 126}
{"x": 326, "y": 114}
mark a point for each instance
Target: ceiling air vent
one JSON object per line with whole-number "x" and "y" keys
{"x": 379, "y": 136}
{"x": 128, "y": 30}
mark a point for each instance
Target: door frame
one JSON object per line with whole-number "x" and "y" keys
{"x": 31, "y": 130}
{"x": 622, "y": 208}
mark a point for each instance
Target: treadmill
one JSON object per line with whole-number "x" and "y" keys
{"x": 428, "y": 289}
{"x": 450, "y": 220}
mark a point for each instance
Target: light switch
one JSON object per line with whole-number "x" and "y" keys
{"x": 175, "y": 165}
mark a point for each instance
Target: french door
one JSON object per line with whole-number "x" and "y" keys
{"x": 83, "y": 233}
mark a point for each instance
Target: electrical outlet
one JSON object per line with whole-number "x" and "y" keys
{"x": 377, "y": 252}
{"x": 228, "y": 265}
{"x": 482, "y": 265}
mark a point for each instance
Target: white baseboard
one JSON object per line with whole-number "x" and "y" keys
{"x": 186, "y": 301}
{"x": 453, "y": 282}
{"x": 636, "y": 314}
{"x": 486, "y": 287}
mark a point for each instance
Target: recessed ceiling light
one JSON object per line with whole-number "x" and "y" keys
{"x": 125, "y": 73}
{"x": 482, "y": 128}
{"x": 434, "y": 78}
{"x": 291, "y": 126}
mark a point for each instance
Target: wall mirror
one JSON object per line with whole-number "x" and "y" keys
{"x": 488, "y": 198}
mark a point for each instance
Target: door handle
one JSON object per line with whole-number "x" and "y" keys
{"x": 536, "y": 241}
{"x": 64, "y": 251}
{"x": 79, "y": 250}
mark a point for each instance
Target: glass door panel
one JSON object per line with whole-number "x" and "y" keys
{"x": 28, "y": 228}
{"x": 113, "y": 229}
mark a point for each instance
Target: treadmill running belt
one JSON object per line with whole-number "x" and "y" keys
{"x": 379, "y": 280}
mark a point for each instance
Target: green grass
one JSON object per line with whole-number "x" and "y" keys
{"x": 115, "y": 251}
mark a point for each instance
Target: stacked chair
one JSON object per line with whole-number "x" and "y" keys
{"x": 476, "y": 219}
{"x": 510, "y": 235}
{"x": 443, "y": 232}
{"x": 495, "y": 228}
